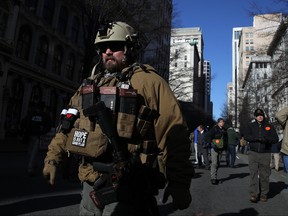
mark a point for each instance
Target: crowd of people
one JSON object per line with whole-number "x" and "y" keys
{"x": 259, "y": 140}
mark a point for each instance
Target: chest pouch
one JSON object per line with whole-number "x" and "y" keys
{"x": 126, "y": 118}
{"x": 82, "y": 142}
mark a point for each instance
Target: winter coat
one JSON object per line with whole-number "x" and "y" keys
{"x": 282, "y": 116}
{"x": 216, "y": 133}
{"x": 260, "y": 136}
{"x": 201, "y": 140}
{"x": 232, "y": 136}
{"x": 196, "y": 133}
{"x": 171, "y": 133}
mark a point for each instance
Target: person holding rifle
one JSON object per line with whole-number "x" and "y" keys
{"x": 129, "y": 131}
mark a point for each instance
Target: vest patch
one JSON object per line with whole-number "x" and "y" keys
{"x": 80, "y": 138}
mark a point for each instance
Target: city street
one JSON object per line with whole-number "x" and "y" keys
{"x": 25, "y": 195}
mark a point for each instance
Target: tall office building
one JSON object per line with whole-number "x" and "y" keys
{"x": 186, "y": 66}
{"x": 246, "y": 43}
{"x": 186, "y": 77}
{"x": 207, "y": 87}
{"x": 233, "y": 87}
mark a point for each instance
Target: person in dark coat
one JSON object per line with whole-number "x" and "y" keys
{"x": 260, "y": 135}
{"x": 233, "y": 138}
{"x": 217, "y": 136}
{"x": 202, "y": 148}
{"x": 34, "y": 125}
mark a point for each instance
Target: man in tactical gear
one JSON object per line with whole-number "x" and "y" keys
{"x": 143, "y": 149}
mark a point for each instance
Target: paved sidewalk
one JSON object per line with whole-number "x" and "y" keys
{"x": 277, "y": 176}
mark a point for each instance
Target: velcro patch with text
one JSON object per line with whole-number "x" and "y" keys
{"x": 80, "y": 138}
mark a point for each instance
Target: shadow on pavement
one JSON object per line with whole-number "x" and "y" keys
{"x": 276, "y": 188}
{"x": 243, "y": 212}
{"x": 166, "y": 209}
{"x": 233, "y": 176}
{"x": 45, "y": 203}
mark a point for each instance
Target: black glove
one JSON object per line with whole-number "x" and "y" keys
{"x": 181, "y": 198}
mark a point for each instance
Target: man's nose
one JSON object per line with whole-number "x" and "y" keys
{"x": 108, "y": 51}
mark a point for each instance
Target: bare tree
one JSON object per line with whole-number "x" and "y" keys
{"x": 97, "y": 12}
{"x": 262, "y": 89}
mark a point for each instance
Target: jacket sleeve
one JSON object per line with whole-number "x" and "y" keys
{"x": 210, "y": 135}
{"x": 56, "y": 148}
{"x": 171, "y": 132}
{"x": 282, "y": 116}
{"x": 248, "y": 133}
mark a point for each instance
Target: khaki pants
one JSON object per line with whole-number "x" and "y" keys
{"x": 215, "y": 162}
{"x": 275, "y": 157}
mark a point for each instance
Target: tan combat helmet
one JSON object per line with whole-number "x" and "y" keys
{"x": 116, "y": 31}
{"x": 119, "y": 32}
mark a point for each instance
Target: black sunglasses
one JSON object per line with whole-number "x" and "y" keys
{"x": 114, "y": 46}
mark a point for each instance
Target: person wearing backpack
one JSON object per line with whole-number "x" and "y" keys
{"x": 217, "y": 136}
{"x": 203, "y": 148}
{"x": 233, "y": 139}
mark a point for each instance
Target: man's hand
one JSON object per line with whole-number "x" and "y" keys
{"x": 181, "y": 198}
{"x": 49, "y": 172}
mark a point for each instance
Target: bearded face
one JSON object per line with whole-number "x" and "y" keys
{"x": 113, "y": 56}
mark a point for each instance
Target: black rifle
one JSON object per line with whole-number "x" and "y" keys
{"x": 112, "y": 171}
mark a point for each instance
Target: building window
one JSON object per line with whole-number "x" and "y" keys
{"x": 246, "y": 35}
{"x": 57, "y": 60}
{"x": 42, "y": 52}
{"x": 31, "y": 5}
{"x": 185, "y": 57}
{"x": 36, "y": 94}
{"x": 185, "y": 64}
{"x": 24, "y": 43}
{"x": 4, "y": 8}
{"x": 247, "y": 48}
{"x": 62, "y": 22}
{"x": 70, "y": 67}
{"x": 13, "y": 116}
{"x": 257, "y": 76}
{"x": 48, "y": 11}
{"x": 251, "y": 41}
{"x": 251, "y": 48}
{"x": 175, "y": 65}
{"x": 75, "y": 29}
{"x": 246, "y": 41}
{"x": 265, "y": 76}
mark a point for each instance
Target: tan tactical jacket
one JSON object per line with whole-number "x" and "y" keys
{"x": 282, "y": 117}
{"x": 171, "y": 133}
